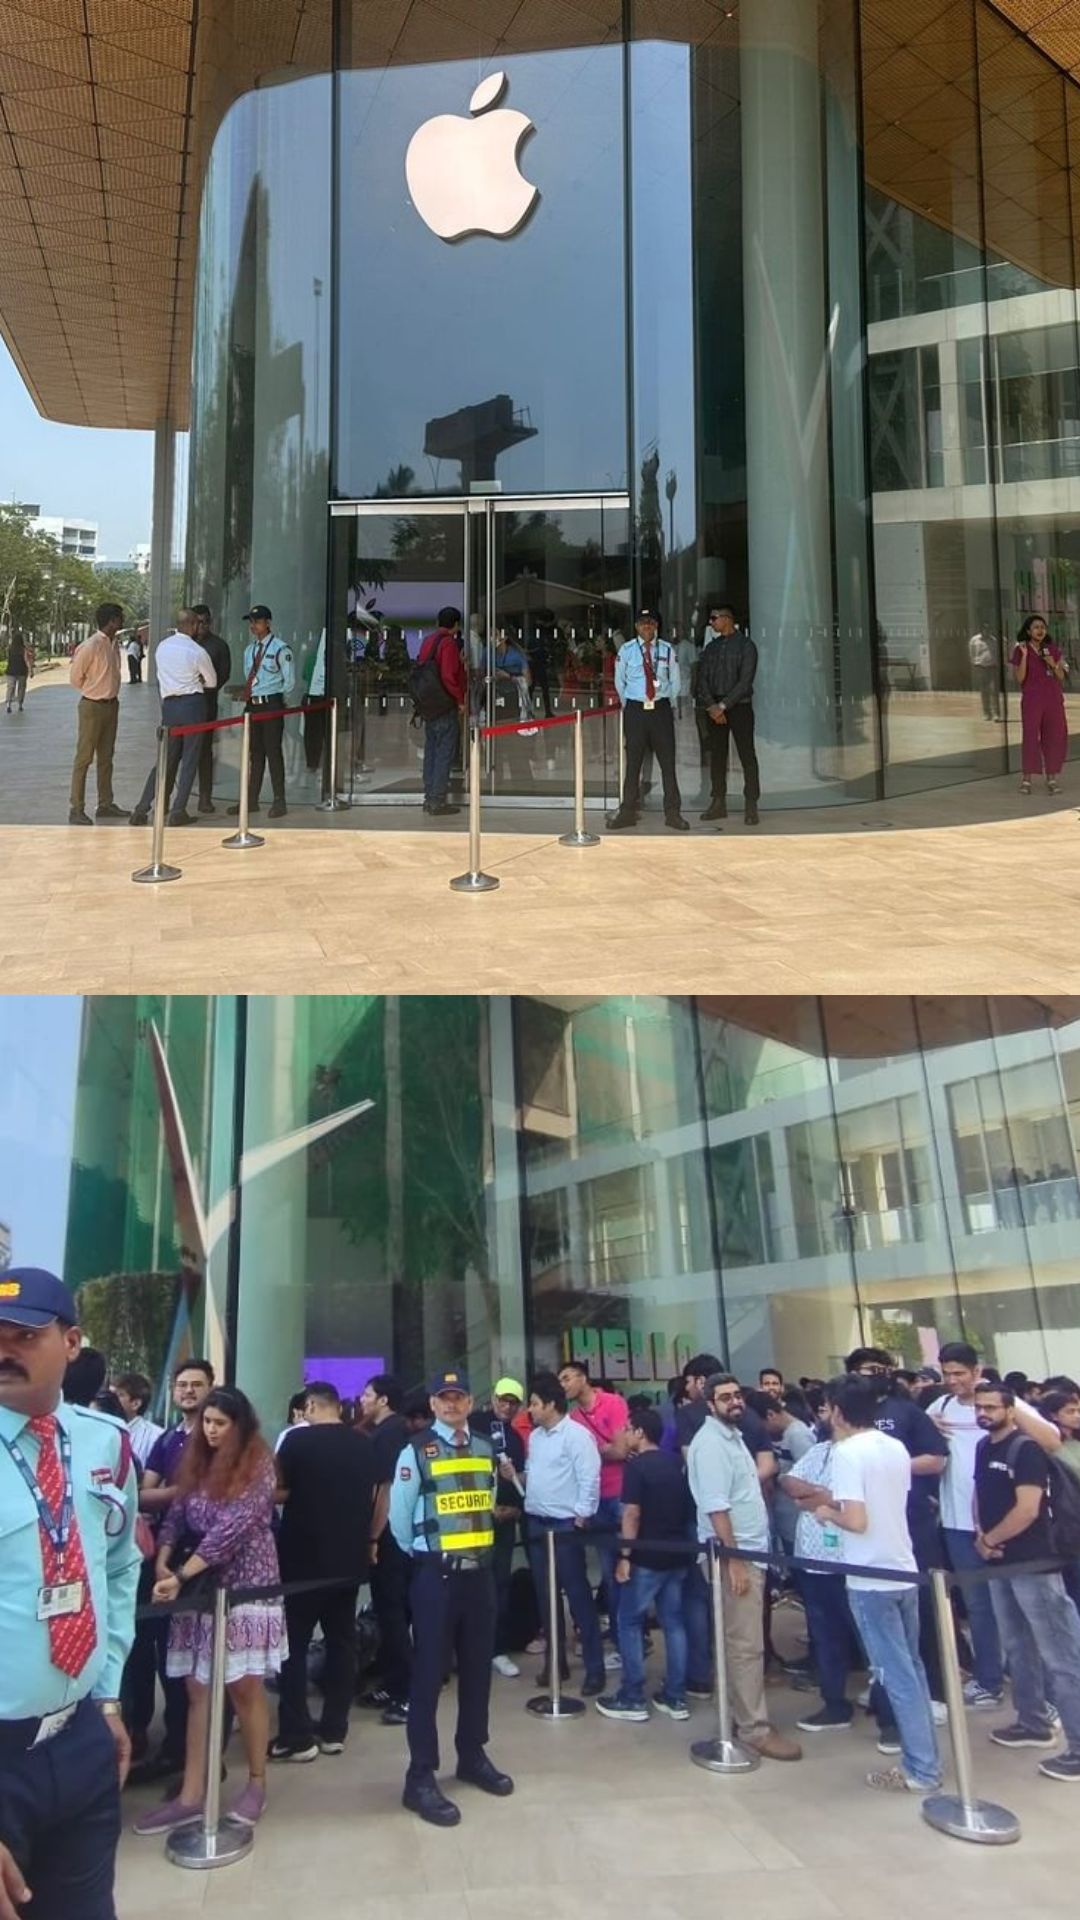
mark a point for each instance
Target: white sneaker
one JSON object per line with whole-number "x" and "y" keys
{"x": 503, "y": 1664}
{"x": 863, "y": 1699}
{"x": 612, "y": 1662}
{"x": 940, "y": 1712}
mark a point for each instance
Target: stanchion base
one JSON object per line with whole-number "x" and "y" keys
{"x": 474, "y": 883}
{"x": 579, "y": 839}
{"x": 242, "y": 840}
{"x": 334, "y": 803}
{"x": 983, "y": 1822}
{"x": 545, "y": 1707}
{"x": 193, "y": 1847}
{"x": 149, "y": 876}
{"x": 723, "y": 1756}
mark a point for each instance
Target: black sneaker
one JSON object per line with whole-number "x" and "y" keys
{"x": 111, "y": 812}
{"x": 826, "y": 1720}
{"x": 676, "y": 822}
{"x": 593, "y": 1684}
{"x": 78, "y": 817}
{"x": 699, "y": 1690}
{"x": 284, "y": 1750}
{"x": 394, "y": 1714}
{"x": 1020, "y": 1736}
{"x": 620, "y": 820}
{"x": 672, "y": 1704}
{"x": 1065, "y": 1766}
{"x": 716, "y": 810}
{"x": 616, "y": 1706}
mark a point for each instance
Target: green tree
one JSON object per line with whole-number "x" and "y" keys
{"x": 41, "y": 589}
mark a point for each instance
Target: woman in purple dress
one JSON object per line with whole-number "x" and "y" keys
{"x": 1040, "y": 671}
{"x": 220, "y": 1520}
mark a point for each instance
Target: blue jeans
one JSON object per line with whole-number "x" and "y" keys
{"x": 662, "y": 1588}
{"x": 178, "y": 710}
{"x": 607, "y": 1522}
{"x": 985, "y": 1639}
{"x": 1040, "y": 1632}
{"x": 440, "y": 745}
{"x": 573, "y": 1578}
{"x": 828, "y": 1622}
{"x": 888, "y": 1626}
{"x": 697, "y": 1620}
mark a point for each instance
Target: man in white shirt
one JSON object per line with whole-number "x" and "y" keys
{"x": 871, "y": 1480}
{"x": 185, "y": 673}
{"x": 562, "y": 1492}
{"x": 135, "y": 1392}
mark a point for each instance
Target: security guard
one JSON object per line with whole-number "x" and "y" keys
{"x": 269, "y": 678}
{"x": 648, "y": 682}
{"x": 68, "y": 1573}
{"x": 442, "y": 1513}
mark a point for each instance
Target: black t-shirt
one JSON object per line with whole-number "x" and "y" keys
{"x": 503, "y": 1440}
{"x": 906, "y": 1422}
{"x": 1000, "y": 1467}
{"x": 656, "y": 1482}
{"x": 387, "y": 1440}
{"x": 329, "y": 1470}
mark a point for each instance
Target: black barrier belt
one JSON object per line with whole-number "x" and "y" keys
{"x": 276, "y": 1590}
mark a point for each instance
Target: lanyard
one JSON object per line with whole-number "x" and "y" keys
{"x": 57, "y": 1529}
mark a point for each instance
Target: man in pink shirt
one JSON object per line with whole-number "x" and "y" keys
{"x": 607, "y": 1417}
{"x": 95, "y": 671}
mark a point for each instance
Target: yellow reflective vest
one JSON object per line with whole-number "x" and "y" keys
{"x": 455, "y": 1512}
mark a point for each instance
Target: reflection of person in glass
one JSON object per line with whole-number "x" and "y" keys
{"x": 540, "y": 640}
{"x": 983, "y": 654}
{"x": 439, "y": 699}
{"x": 647, "y": 683}
{"x": 1040, "y": 672}
{"x": 511, "y": 667}
{"x": 725, "y": 690}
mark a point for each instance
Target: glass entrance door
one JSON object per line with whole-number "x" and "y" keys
{"x": 543, "y": 586}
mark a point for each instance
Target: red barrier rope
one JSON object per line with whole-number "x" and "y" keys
{"x": 272, "y": 713}
{"x": 538, "y": 726}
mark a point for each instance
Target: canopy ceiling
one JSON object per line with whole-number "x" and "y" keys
{"x": 108, "y": 109}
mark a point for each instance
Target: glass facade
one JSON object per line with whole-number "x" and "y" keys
{"x": 339, "y": 1185}
{"x": 795, "y": 292}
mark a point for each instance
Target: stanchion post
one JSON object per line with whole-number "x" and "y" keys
{"x": 622, "y": 758}
{"x": 157, "y": 870}
{"x": 475, "y": 880}
{"x": 579, "y": 837}
{"x": 555, "y": 1705}
{"x": 961, "y": 1815}
{"x": 334, "y": 802}
{"x": 721, "y": 1754}
{"x": 243, "y": 837}
{"x": 212, "y": 1841}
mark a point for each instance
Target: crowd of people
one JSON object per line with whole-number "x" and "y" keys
{"x": 840, "y": 1494}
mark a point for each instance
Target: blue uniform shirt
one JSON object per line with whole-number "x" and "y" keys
{"x": 106, "y": 1502}
{"x": 405, "y": 1492}
{"x": 630, "y": 671}
{"x": 276, "y": 674}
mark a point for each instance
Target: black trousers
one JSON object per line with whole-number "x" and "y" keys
{"x": 740, "y": 728}
{"x": 334, "y": 1610}
{"x": 267, "y": 737}
{"x": 453, "y": 1614}
{"x": 145, "y": 1666}
{"x": 391, "y": 1577}
{"x": 206, "y": 751}
{"x": 645, "y": 731}
{"x": 506, "y": 1534}
{"x": 60, "y": 1816}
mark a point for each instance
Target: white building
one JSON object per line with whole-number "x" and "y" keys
{"x": 76, "y": 539}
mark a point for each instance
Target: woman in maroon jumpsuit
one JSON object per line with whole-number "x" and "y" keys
{"x": 1040, "y": 670}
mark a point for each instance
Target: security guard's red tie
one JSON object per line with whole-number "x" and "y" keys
{"x": 650, "y": 675}
{"x": 72, "y": 1636}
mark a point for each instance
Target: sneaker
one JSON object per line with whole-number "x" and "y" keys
{"x": 1064, "y": 1766}
{"x": 251, "y": 1806}
{"x": 863, "y": 1699}
{"x": 331, "y": 1746}
{"x": 1020, "y": 1736}
{"x": 284, "y": 1750}
{"x": 612, "y": 1662}
{"x": 615, "y": 1706}
{"x": 166, "y": 1817}
{"x": 699, "y": 1690}
{"x": 111, "y": 812}
{"x": 503, "y": 1664}
{"x": 539, "y": 1645}
{"x": 394, "y": 1715}
{"x": 592, "y": 1685}
{"x": 895, "y": 1780}
{"x": 888, "y": 1743}
{"x": 672, "y": 1704}
{"x": 826, "y": 1720}
{"x": 939, "y": 1713}
{"x": 78, "y": 817}
{"x": 981, "y": 1698}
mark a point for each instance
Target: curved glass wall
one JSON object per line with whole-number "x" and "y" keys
{"x": 797, "y": 277}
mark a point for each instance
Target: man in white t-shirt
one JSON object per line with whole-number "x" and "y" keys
{"x": 871, "y": 1481}
{"x": 953, "y": 1414}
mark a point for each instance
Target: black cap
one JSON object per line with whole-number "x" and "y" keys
{"x": 647, "y": 613}
{"x": 258, "y": 612}
{"x": 31, "y": 1297}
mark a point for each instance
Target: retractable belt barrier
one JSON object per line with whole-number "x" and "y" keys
{"x": 475, "y": 880}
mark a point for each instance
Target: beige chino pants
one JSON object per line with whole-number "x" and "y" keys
{"x": 96, "y": 741}
{"x": 744, "y": 1635}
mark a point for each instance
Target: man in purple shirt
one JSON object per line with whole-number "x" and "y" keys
{"x": 192, "y": 1381}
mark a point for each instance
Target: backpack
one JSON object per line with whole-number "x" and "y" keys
{"x": 1063, "y": 1505}
{"x": 430, "y": 698}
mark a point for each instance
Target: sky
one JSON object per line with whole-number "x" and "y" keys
{"x": 89, "y": 473}
{"x": 39, "y": 1049}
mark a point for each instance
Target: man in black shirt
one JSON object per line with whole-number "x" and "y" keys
{"x": 381, "y": 1404}
{"x": 657, "y": 1506}
{"x": 327, "y": 1474}
{"x": 221, "y": 660}
{"x": 1037, "y": 1621}
{"x": 724, "y": 691}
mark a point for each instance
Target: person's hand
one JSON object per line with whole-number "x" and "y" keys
{"x": 506, "y": 1467}
{"x": 622, "y": 1572}
{"x": 167, "y": 1588}
{"x": 373, "y": 1553}
{"x": 985, "y": 1550}
{"x": 14, "y": 1892}
{"x": 738, "y": 1574}
{"x": 122, "y": 1737}
{"x": 718, "y": 716}
{"x": 580, "y": 1520}
{"x": 506, "y": 1513}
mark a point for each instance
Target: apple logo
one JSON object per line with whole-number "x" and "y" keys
{"x": 463, "y": 174}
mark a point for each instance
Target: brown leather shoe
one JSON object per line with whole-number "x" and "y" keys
{"x": 772, "y": 1745}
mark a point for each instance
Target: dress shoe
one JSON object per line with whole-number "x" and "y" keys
{"x": 772, "y": 1745}
{"x": 207, "y": 806}
{"x": 181, "y": 819}
{"x": 593, "y": 1684}
{"x": 137, "y": 819}
{"x": 752, "y": 817}
{"x": 429, "y": 1801}
{"x": 676, "y": 822}
{"x": 716, "y": 810}
{"x": 623, "y": 818}
{"x": 482, "y": 1773}
{"x": 111, "y": 812}
{"x": 277, "y": 809}
{"x": 78, "y": 818}
{"x": 444, "y": 806}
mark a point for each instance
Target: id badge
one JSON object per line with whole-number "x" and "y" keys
{"x": 55, "y": 1602}
{"x": 648, "y": 705}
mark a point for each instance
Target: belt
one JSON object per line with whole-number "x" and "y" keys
{"x": 451, "y": 1562}
{"x": 661, "y": 700}
{"x": 18, "y": 1736}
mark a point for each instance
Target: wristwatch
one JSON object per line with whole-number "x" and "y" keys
{"x": 110, "y": 1708}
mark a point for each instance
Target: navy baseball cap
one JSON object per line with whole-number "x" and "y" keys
{"x": 258, "y": 612}
{"x": 647, "y": 613}
{"x": 449, "y": 1383}
{"x": 31, "y": 1297}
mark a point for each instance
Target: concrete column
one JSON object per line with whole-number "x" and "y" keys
{"x": 161, "y": 533}
{"x": 784, "y": 299}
